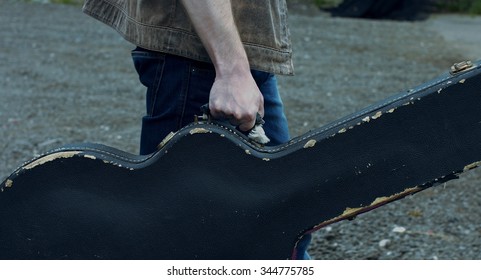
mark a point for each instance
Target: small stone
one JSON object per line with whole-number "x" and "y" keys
{"x": 399, "y": 229}
{"x": 384, "y": 243}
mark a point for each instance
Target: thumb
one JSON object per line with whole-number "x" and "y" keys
{"x": 260, "y": 110}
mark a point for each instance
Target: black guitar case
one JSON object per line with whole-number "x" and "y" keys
{"x": 209, "y": 193}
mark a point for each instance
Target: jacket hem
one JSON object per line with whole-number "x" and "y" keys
{"x": 166, "y": 39}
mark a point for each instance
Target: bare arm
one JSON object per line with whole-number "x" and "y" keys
{"x": 234, "y": 94}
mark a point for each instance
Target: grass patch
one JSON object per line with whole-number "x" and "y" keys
{"x": 460, "y": 6}
{"x": 318, "y": 3}
{"x": 65, "y": 2}
{"x": 68, "y": 2}
{"x": 326, "y": 3}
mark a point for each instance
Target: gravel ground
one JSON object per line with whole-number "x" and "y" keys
{"x": 67, "y": 78}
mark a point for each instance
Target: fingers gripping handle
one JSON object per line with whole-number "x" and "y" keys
{"x": 256, "y": 134}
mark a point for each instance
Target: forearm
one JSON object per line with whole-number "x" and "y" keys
{"x": 214, "y": 23}
{"x": 234, "y": 94}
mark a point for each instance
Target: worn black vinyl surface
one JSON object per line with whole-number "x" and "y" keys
{"x": 211, "y": 194}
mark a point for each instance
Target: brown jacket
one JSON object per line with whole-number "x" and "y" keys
{"x": 164, "y": 26}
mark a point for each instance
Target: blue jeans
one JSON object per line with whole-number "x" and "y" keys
{"x": 176, "y": 89}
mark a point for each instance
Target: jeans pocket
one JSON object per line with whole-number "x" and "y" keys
{"x": 149, "y": 66}
{"x": 202, "y": 76}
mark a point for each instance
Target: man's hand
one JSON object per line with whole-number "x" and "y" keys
{"x": 236, "y": 98}
{"x": 234, "y": 95}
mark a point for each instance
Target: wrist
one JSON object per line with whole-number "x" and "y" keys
{"x": 232, "y": 67}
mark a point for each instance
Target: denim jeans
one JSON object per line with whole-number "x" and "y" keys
{"x": 176, "y": 89}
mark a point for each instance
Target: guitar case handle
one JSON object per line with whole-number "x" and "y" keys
{"x": 255, "y": 134}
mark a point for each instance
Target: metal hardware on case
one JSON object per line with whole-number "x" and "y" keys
{"x": 205, "y": 114}
{"x": 203, "y": 117}
{"x": 461, "y": 66}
